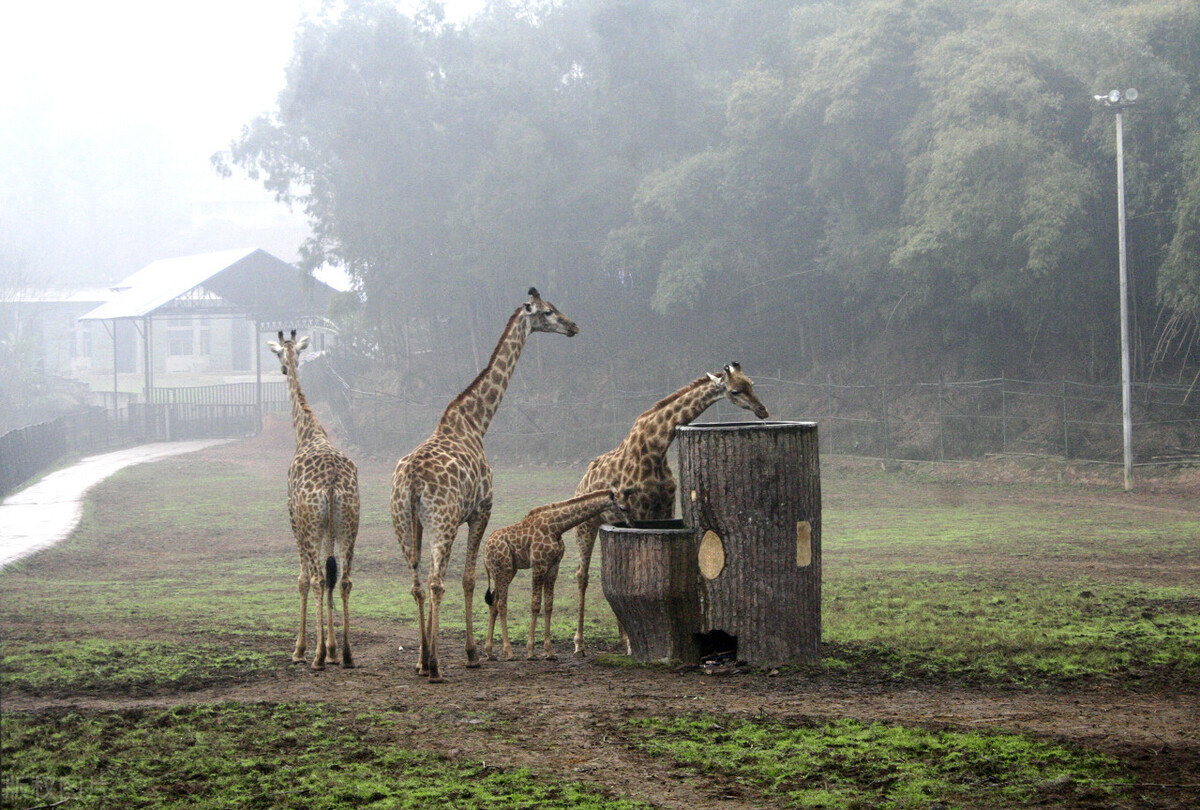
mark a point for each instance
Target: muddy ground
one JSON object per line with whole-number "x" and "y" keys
{"x": 564, "y": 716}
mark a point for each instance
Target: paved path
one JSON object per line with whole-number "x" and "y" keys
{"x": 45, "y": 513}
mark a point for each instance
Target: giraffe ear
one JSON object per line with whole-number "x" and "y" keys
{"x": 302, "y": 344}
{"x": 715, "y": 379}
{"x": 273, "y": 346}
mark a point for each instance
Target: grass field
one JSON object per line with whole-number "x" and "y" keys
{"x": 967, "y": 615}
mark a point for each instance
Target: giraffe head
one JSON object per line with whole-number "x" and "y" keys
{"x": 621, "y": 501}
{"x": 542, "y": 316}
{"x": 738, "y": 389}
{"x": 288, "y": 351}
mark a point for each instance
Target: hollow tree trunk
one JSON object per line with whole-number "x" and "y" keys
{"x": 651, "y": 579}
{"x": 752, "y": 491}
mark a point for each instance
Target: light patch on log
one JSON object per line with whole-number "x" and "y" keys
{"x": 712, "y": 555}
{"x": 803, "y": 544}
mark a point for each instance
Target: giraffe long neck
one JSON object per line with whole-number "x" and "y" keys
{"x": 303, "y": 419}
{"x": 472, "y": 410}
{"x": 565, "y": 515}
{"x": 653, "y": 431}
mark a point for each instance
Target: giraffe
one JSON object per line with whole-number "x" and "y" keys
{"x": 535, "y": 542}
{"x": 446, "y": 481}
{"x": 640, "y": 461}
{"x": 323, "y": 507}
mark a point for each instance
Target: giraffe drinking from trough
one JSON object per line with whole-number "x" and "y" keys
{"x": 535, "y": 542}
{"x": 640, "y": 462}
{"x": 447, "y": 481}
{"x": 323, "y": 507}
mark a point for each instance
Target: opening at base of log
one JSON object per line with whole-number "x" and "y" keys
{"x": 716, "y": 646}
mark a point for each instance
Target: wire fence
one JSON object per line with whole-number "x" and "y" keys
{"x": 939, "y": 421}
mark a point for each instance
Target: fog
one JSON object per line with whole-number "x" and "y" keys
{"x": 109, "y": 113}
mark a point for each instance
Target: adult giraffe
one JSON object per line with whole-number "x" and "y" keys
{"x": 447, "y": 481}
{"x": 640, "y": 462}
{"x": 323, "y": 507}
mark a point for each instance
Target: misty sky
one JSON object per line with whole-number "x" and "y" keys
{"x": 109, "y": 113}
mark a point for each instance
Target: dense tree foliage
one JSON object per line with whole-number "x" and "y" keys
{"x": 893, "y": 186}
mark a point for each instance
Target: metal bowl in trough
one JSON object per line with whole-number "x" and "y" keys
{"x": 651, "y": 579}
{"x": 752, "y": 491}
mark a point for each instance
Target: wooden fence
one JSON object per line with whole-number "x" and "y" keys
{"x": 175, "y": 414}
{"x": 27, "y": 451}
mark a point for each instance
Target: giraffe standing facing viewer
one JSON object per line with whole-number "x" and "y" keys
{"x": 640, "y": 462}
{"x": 535, "y": 542}
{"x": 447, "y": 481}
{"x": 323, "y": 507}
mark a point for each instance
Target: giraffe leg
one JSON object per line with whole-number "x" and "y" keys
{"x": 317, "y": 585}
{"x": 301, "y": 641}
{"x": 475, "y": 529}
{"x": 548, "y": 589}
{"x": 535, "y": 607}
{"x": 437, "y": 589}
{"x": 347, "y": 658}
{"x": 331, "y": 646}
{"x": 586, "y": 537}
{"x": 410, "y": 534}
{"x": 488, "y": 651}
{"x": 500, "y": 598}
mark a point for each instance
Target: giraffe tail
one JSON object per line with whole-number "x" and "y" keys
{"x": 487, "y": 595}
{"x": 331, "y": 563}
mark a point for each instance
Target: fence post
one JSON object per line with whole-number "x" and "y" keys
{"x": 1003, "y": 414}
{"x": 887, "y": 428}
{"x": 941, "y": 419}
{"x": 1066, "y": 440}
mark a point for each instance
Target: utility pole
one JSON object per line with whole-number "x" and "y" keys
{"x": 1116, "y": 101}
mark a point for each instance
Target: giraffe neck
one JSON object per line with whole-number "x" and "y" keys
{"x": 653, "y": 431}
{"x": 303, "y": 419}
{"x": 561, "y": 516}
{"x": 471, "y": 412}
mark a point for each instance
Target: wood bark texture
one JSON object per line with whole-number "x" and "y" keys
{"x": 753, "y": 493}
{"x": 651, "y": 579}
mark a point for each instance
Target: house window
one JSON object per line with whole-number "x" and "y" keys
{"x": 204, "y": 333}
{"x": 179, "y": 338}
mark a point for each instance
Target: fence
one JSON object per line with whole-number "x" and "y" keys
{"x": 211, "y": 411}
{"x": 947, "y": 421}
{"x": 27, "y": 451}
{"x": 175, "y": 414}
{"x": 915, "y": 421}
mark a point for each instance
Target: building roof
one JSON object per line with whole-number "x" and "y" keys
{"x": 87, "y": 295}
{"x": 252, "y": 283}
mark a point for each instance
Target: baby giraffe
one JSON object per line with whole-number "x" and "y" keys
{"x": 535, "y": 542}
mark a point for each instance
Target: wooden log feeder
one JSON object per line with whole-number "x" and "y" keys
{"x": 752, "y": 493}
{"x": 651, "y": 579}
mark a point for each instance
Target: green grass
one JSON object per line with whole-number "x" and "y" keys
{"x": 89, "y": 666}
{"x": 916, "y": 584}
{"x": 310, "y": 756}
{"x": 849, "y": 764}
{"x": 1012, "y": 632}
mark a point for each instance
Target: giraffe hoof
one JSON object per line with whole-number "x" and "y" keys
{"x": 317, "y": 667}
{"x": 472, "y": 664}
{"x": 347, "y": 662}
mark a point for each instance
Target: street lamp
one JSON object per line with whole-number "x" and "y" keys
{"x": 1116, "y": 101}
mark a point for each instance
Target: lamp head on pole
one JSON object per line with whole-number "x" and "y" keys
{"x": 1118, "y": 98}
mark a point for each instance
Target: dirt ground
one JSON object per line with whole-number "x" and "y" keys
{"x": 564, "y": 716}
